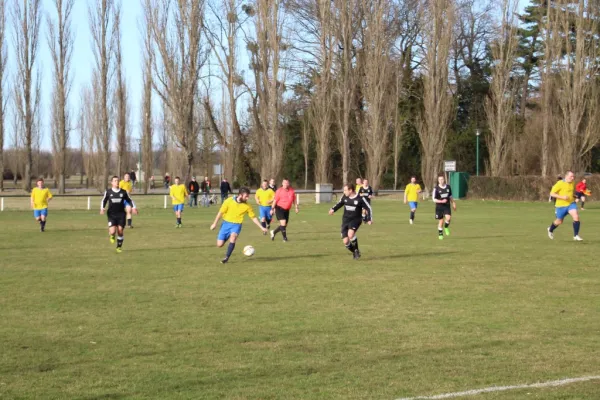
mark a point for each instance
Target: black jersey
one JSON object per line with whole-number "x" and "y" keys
{"x": 353, "y": 208}
{"x": 273, "y": 188}
{"x": 366, "y": 193}
{"x": 116, "y": 201}
{"x": 441, "y": 193}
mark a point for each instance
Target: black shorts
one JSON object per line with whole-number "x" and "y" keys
{"x": 579, "y": 195}
{"x": 117, "y": 220}
{"x": 281, "y": 214}
{"x": 350, "y": 225}
{"x": 441, "y": 212}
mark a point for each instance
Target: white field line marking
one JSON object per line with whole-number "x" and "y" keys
{"x": 491, "y": 389}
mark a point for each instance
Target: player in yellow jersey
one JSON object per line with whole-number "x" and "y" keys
{"x": 564, "y": 193}
{"x": 232, "y": 211}
{"x": 358, "y": 185}
{"x": 178, "y": 193}
{"x": 127, "y": 185}
{"x": 411, "y": 197}
{"x": 264, "y": 198}
{"x": 40, "y": 196}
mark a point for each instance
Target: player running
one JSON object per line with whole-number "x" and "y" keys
{"x": 366, "y": 192}
{"x": 358, "y": 185}
{"x": 264, "y": 198}
{"x": 40, "y": 196}
{"x": 411, "y": 196}
{"x": 178, "y": 193}
{"x": 127, "y": 185}
{"x": 232, "y": 211}
{"x": 285, "y": 198}
{"x": 442, "y": 197}
{"x": 563, "y": 191}
{"x": 354, "y": 205}
{"x": 581, "y": 191}
{"x": 116, "y": 213}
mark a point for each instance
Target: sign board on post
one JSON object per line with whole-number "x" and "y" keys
{"x": 449, "y": 166}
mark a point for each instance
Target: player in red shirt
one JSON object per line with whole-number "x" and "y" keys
{"x": 580, "y": 192}
{"x": 285, "y": 198}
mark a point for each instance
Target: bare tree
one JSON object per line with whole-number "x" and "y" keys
{"x": 3, "y": 96}
{"x": 179, "y": 58}
{"x": 121, "y": 98}
{"x": 546, "y": 85}
{"x": 147, "y": 122}
{"x": 437, "y": 113}
{"x": 306, "y": 140}
{"x": 60, "y": 40}
{"x": 102, "y": 16}
{"x": 266, "y": 55}
{"x": 27, "y": 18}
{"x": 500, "y": 104}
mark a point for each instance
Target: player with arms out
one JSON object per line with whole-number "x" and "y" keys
{"x": 411, "y": 196}
{"x": 40, "y": 196}
{"x": 178, "y": 193}
{"x": 444, "y": 203}
{"x": 116, "y": 198}
{"x": 285, "y": 198}
{"x": 264, "y": 198}
{"x": 127, "y": 185}
{"x": 366, "y": 192}
{"x": 581, "y": 191}
{"x": 232, "y": 211}
{"x": 563, "y": 192}
{"x": 353, "y": 217}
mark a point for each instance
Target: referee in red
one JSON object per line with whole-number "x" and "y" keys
{"x": 285, "y": 198}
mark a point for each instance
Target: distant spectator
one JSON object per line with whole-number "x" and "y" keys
{"x": 133, "y": 177}
{"x": 205, "y": 187}
{"x": 193, "y": 188}
{"x": 225, "y": 190}
{"x": 167, "y": 180}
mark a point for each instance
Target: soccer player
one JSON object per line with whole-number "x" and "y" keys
{"x": 367, "y": 192}
{"x": 116, "y": 199}
{"x": 178, "y": 193}
{"x": 358, "y": 185}
{"x": 272, "y": 185}
{"x": 232, "y": 211}
{"x": 411, "y": 196}
{"x": 442, "y": 197}
{"x": 40, "y": 196}
{"x": 563, "y": 191}
{"x": 264, "y": 198}
{"x": 127, "y": 185}
{"x": 354, "y": 205}
{"x": 285, "y": 198}
{"x": 580, "y": 192}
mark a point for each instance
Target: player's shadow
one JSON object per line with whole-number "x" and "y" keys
{"x": 171, "y": 248}
{"x": 411, "y": 255}
{"x": 291, "y": 257}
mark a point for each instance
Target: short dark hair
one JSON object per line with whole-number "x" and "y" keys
{"x": 177, "y": 178}
{"x": 265, "y": 181}
{"x": 413, "y": 176}
{"x": 349, "y": 186}
{"x": 441, "y": 175}
{"x": 244, "y": 190}
{"x": 114, "y": 176}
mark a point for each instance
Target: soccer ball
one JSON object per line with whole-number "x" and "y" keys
{"x": 248, "y": 251}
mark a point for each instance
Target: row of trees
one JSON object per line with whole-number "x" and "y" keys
{"x": 335, "y": 88}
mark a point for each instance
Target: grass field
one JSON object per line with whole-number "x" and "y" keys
{"x": 496, "y": 303}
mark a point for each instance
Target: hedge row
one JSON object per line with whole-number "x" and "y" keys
{"x": 522, "y": 188}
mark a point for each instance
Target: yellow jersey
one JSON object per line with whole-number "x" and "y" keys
{"x": 178, "y": 193}
{"x": 265, "y": 197}
{"x": 357, "y": 188}
{"x": 40, "y": 198}
{"x": 564, "y": 189}
{"x": 412, "y": 191}
{"x": 126, "y": 185}
{"x": 234, "y": 212}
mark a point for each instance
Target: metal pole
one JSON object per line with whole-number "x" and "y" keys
{"x": 2, "y": 204}
{"x": 477, "y": 152}
{"x": 165, "y": 201}
{"x": 89, "y": 203}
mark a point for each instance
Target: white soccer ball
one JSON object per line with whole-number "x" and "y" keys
{"x": 248, "y": 251}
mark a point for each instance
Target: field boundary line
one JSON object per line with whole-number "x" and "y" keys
{"x": 491, "y": 389}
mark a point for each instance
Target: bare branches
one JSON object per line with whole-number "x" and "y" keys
{"x": 3, "y": 94}
{"x": 121, "y": 99}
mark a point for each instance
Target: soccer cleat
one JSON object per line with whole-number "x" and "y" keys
{"x": 272, "y": 235}
{"x": 119, "y": 250}
{"x": 410, "y": 221}
{"x": 577, "y": 238}
{"x": 130, "y": 226}
{"x": 285, "y": 240}
{"x": 112, "y": 239}
{"x": 264, "y": 233}
{"x": 447, "y": 231}
{"x": 224, "y": 261}
{"x": 550, "y": 234}
{"x": 356, "y": 255}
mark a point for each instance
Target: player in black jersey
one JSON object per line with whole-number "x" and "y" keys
{"x": 353, "y": 207}
{"x": 442, "y": 197}
{"x": 365, "y": 192}
{"x": 117, "y": 200}
{"x": 272, "y": 185}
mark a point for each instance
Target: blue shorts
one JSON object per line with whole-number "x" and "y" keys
{"x": 40, "y": 213}
{"x": 413, "y": 204}
{"x": 126, "y": 204}
{"x": 227, "y": 228}
{"x": 178, "y": 207}
{"x": 561, "y": 212}
{"x": 265, "y": 212}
